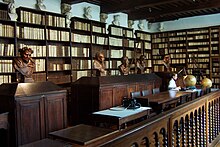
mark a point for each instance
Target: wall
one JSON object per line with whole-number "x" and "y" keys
{"x": 190, "y": 22}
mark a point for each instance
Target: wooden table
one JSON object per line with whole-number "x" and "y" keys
{"x": 120, "y": 116}
{"x": 164, "y": 100}
{"x": 80, "y": 134}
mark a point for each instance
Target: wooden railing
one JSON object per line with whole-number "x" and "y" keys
{"x": 196, "y": 123}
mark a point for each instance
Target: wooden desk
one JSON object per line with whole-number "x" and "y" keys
{"x": 120, "y": 116}
{"x": 80, "y": 134}
{"x": 163, "y": 100}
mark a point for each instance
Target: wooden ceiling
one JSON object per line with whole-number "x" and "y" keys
{"x": 156, "y": 10}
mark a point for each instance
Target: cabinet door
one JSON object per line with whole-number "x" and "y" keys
{"x": 120, "y": 91}
{"x": 55, "y": 112}
{"x": 30, "y": 119}
{"x": 106, "y": 98}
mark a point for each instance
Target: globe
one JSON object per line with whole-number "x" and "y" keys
{"x": 190, "y": 81}
{"x": 206, "y": 82}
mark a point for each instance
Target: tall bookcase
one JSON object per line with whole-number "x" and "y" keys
{"x": 196, "y": 49}
{"x": 47, "y": 35}
{"x": 215, "y": 56}
{"x": 7, "y": 46}
{"x": 160, "y": 42}
{"x": 87, "y": 38}
{"x": 144, "y": 44}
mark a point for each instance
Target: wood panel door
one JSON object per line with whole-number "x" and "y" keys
{"x": 120, "y": 91}
{"x": 30, "y": 119}
{"x": 55, "y": 112}
{"x": 106, "y": 98}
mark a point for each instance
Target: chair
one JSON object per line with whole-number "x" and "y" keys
{"x": 156, "y": 90}
{"x": 135, "y": 94}
{"x": 145, "y": 92}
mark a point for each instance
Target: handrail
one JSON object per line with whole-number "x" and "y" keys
{"x": 196, "y": 123}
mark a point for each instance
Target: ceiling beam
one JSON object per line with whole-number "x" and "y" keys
{"x": 136, "y": 15}
{"x": 131, "y": 4}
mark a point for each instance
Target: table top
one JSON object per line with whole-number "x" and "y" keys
{"x": 80, "y": 134}
{"x": 166, "y": 96}
{"x": 121, "y": 111}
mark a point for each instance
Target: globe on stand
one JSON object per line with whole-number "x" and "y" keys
{"x": 206, "y": 83}
{"x": 190, "y": 81}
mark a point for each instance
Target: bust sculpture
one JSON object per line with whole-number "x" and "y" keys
{"x": 66, "y": 10}
{"x": 130, "y": 23}
{"x": 40, "y": 5}
{"x": 99, "y": 64}
{"x": 103, "y": 17}
{"x": 12, "y": 11}
{"x": 124, "y": 68}
{"x": 24, "y": 65}
{"x": 87, "y": 12}
{"x": 116, "y": 20}
{"x": 141, "y": 25}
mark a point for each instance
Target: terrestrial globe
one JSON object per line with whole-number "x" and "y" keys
{"x": 190, "y": 81}
{"x": 206, "y": 82}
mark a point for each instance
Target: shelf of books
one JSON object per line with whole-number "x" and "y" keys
{"x": 198, "y": 52}
{"x": 160, "y": 42}
{"x": 7, "y": 46}
{"x": 87, "y": 37}
{"x": 215, "y": 56}
{"x": 177, "y": 49}
{"x": 116, "y": 48}
{"x": 144, "y": 41}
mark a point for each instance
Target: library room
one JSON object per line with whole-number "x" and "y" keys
{"x": 109, "y": 73}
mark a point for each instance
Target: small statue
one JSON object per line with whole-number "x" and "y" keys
{"x": 66, "y": 10}
{"x": 99, "y": 64}
{"x": 124, "y": 68}
{"x": 130, "y": 23}
{"x": 24, "y": 65}
{"x": 40, "y": 5}
{"x": 12, "y": 11}
{"x": 87, "y": 12}
{"x": 166, "y": 63}
{"x": 141, "y": 25}
{"x": 116, "y": 20}
{"x": 141, "y": 65}
{"x": 103, "y": 17}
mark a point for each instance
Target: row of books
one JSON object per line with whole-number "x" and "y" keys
{"x": 58, "y": 51}
{"x": 177, "y": 38}
{"x": 81, "y": 26}
{"x": 38, "y": 50}
{"x": 99, "y": 40}
{"x": 177, "y": 56}
{"x": 30, "y": 33}
{"x": 39, "y": 65}
{"x": 6, "y": 49}
{"x": 215, "y": 70}
{"x": 98, "y": 29}
{"x": 5, "y": 79}
{"x": 115, "y": 41}
{"x": 81, "y": 64}
{"x": 6, "y": 66}
{"x": 57, "y": 35}
{"x": 80, "y": 52}
{"x": 6, "y": 30}
{"x": 146, "y": 37}
{"x": 80, "y": 38}
{"x": 179, "y": 61}
{"x": 59, "y": 67}
{"x": 4, "y": 15}
{"x": 41, "y": 19}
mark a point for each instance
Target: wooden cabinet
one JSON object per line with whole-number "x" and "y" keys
{"x": 90, "y": 94}
{"x": 35, "y": 109}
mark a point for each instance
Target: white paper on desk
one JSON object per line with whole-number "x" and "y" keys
{"x": 123, "y": 113}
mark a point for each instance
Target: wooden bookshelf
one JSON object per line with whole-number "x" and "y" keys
{"x": 144, "y": 45}
{"x": 87, "y": 38}
{"x": 7, "y": 46}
